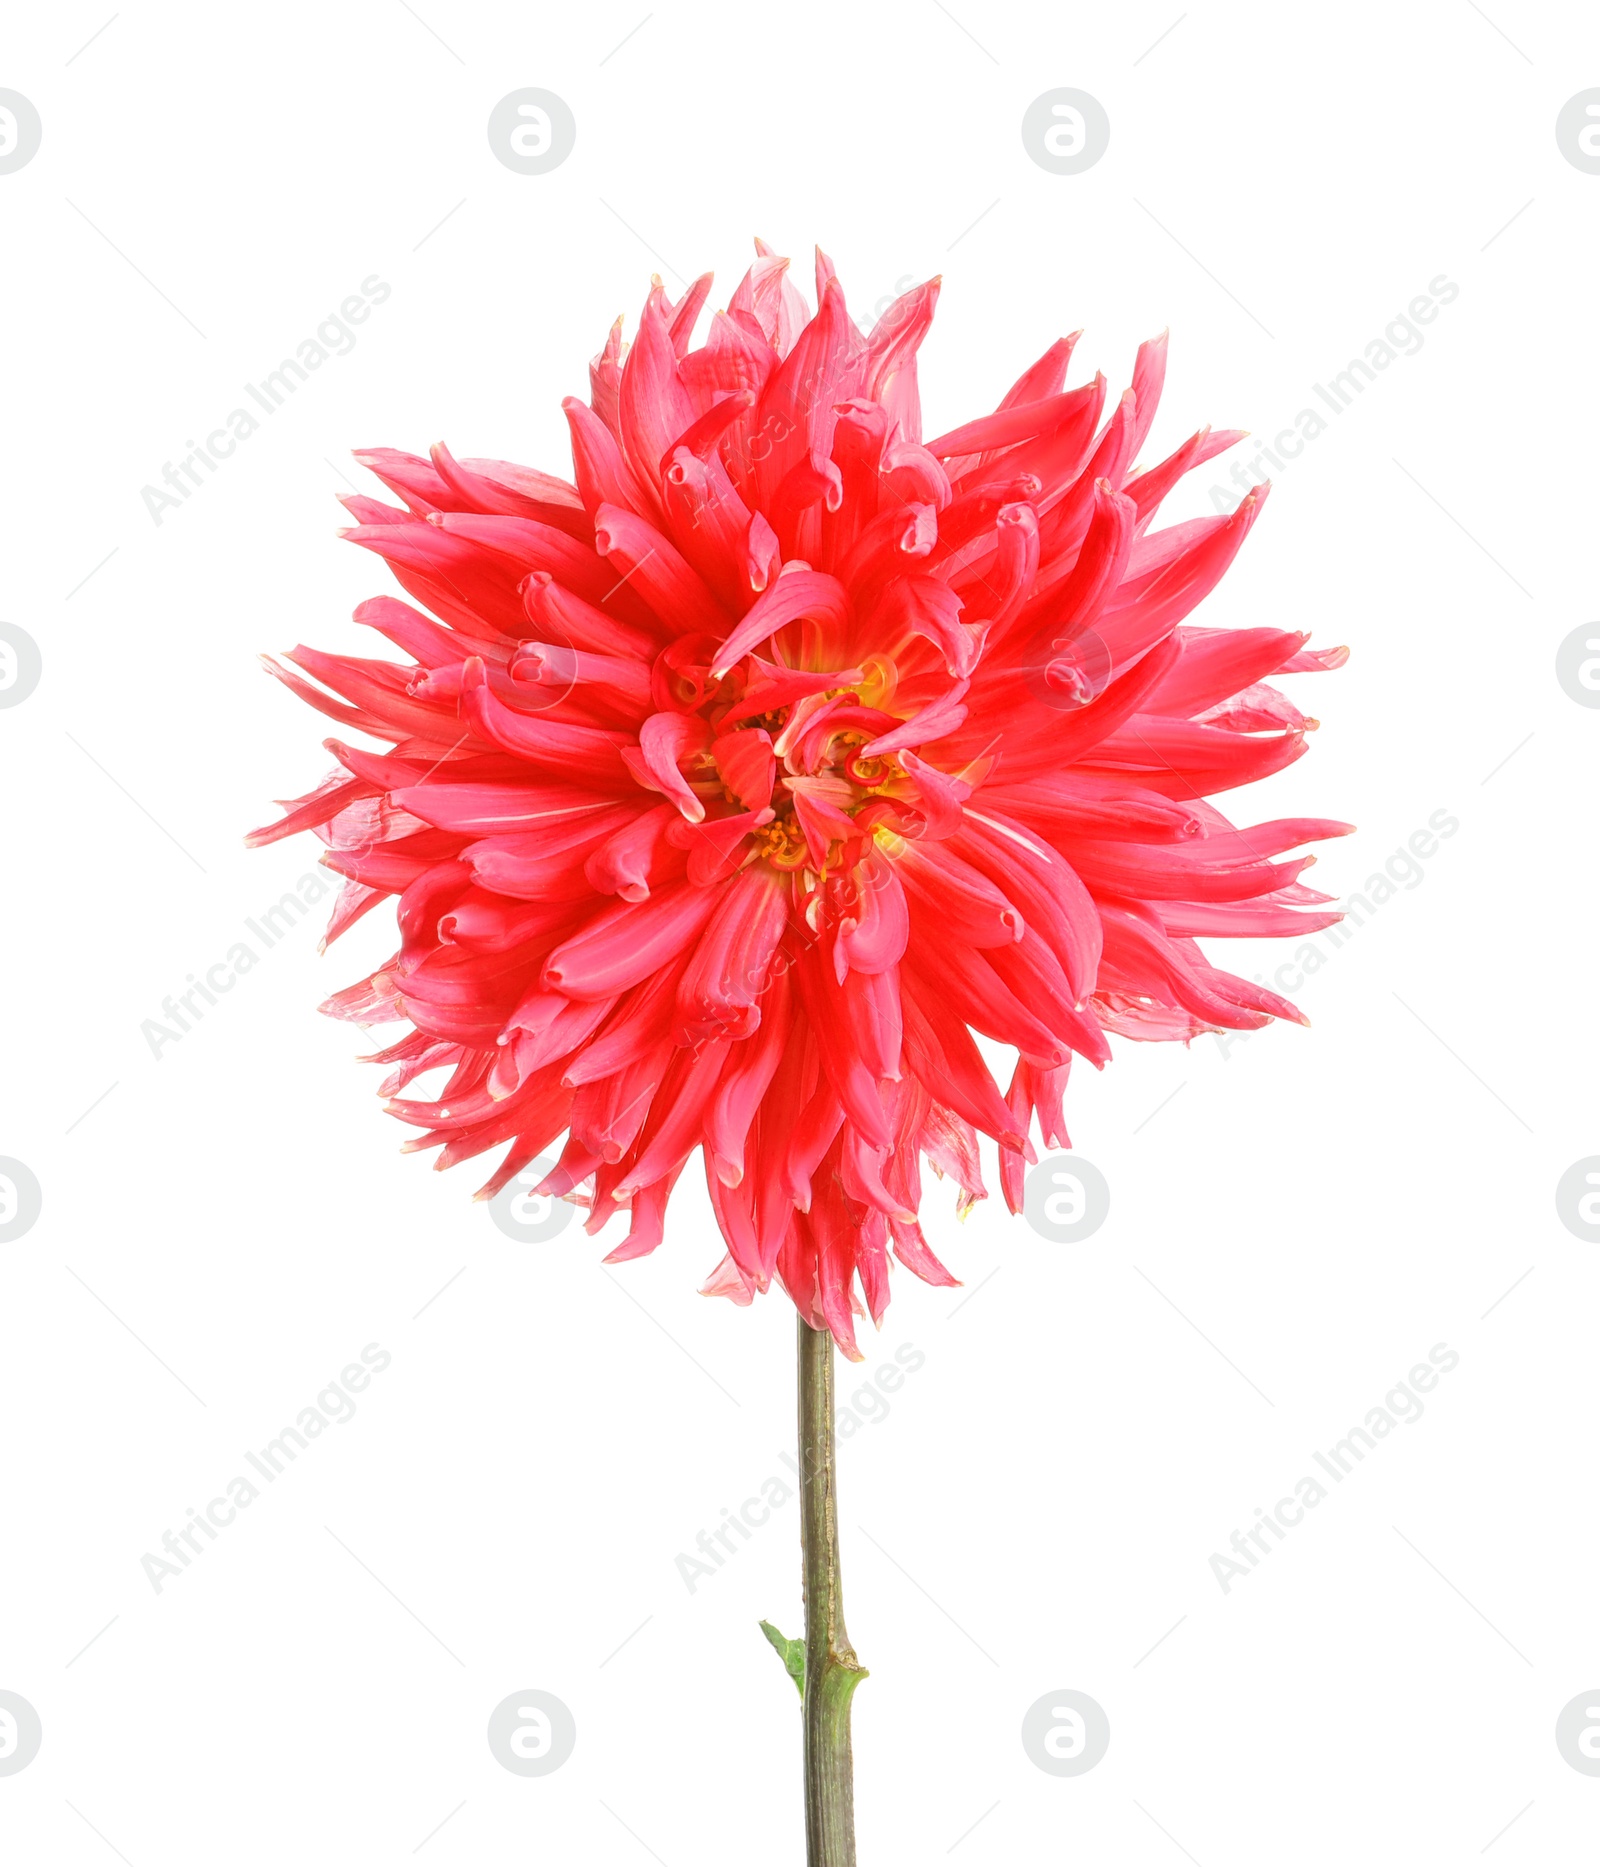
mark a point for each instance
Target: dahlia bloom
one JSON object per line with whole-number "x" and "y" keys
{"x": 732, "y": 785}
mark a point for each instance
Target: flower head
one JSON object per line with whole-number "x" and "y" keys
{"x": 731, "y": 787}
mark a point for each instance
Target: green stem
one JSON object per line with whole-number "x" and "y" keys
{"x": 832, "y": 1670}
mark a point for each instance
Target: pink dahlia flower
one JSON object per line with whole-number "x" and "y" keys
{"x": 732, "y": 785}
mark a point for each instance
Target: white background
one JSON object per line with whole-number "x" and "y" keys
{"x": 1295, "y": 1222}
